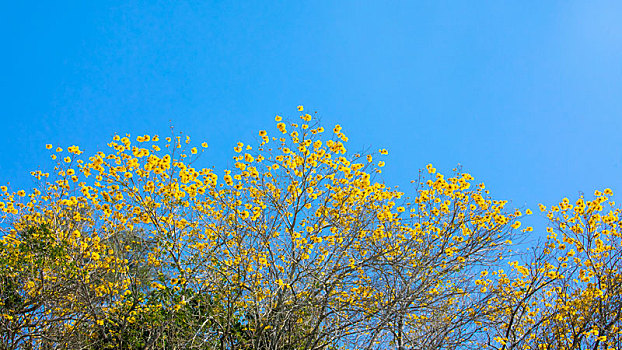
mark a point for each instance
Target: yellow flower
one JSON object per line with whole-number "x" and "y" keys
{"x": 74, "y": 150}
{"x": 67, "y": 159}
{"x": 157, "y": 285}
{"x": 381, "y": 164}
{"x": 48, "y": 146}
{"x": 263, "y": 133}
{"x": 21, "y": 193}
{"x": 337, "y": 129}
{"x": 278, "y": 118}
{"x": 281, "y": 127}
{"x": 384, "y": 152}
{"x": 300, "y": 108}
{"x": 430, "y": 168}
{"x": 193, "y": 150}
{"x": 58, "y": 149}
{"x": 204, "y": 145}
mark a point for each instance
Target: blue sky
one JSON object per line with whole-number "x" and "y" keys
{"x": 525, "y": 95}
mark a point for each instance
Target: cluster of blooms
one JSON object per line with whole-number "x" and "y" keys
{"x": 298, "y": 244}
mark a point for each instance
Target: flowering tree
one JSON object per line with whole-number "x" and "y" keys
{"x": 299, "y": 246}
{"x": 566, "y": 294}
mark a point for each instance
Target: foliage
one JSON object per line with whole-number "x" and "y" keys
{"x": 299, "y": 246}
{"x": 566, "y": 295}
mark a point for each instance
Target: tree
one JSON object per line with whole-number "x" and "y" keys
{"x": 566, "y": 294}
{"x": 299, "y": 246}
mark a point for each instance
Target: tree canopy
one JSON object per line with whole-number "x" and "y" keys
{"x": 300, "y": 245}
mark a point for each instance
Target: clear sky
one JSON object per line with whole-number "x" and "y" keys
{"x": 526, "y": 95}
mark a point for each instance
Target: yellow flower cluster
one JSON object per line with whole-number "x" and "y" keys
{"x": 301, "y": 227}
